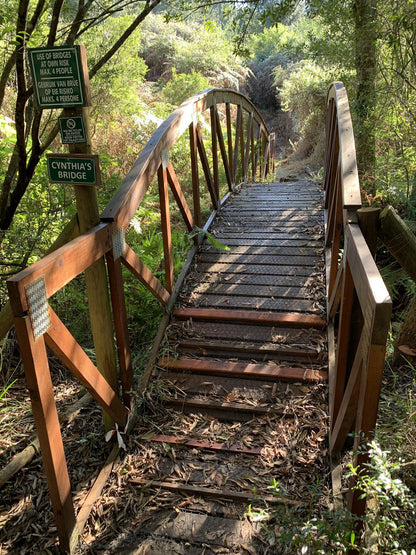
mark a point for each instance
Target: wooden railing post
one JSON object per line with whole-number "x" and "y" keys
{"x": 118, "y": 302}
{"x": 238, "y": 127}
{"x": 165, "y": 222}
{"x": 242, "y": 145}
{"x": 229, "y": 141}
{"x": 368, "y": 219}
{"x": 193, "y": 145}
{"x": 39, "y": 383}
{"x": 95, "y": 275}
{"x": 214, "y": 145}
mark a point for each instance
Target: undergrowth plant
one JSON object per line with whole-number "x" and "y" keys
{"x": 315, "y": 527}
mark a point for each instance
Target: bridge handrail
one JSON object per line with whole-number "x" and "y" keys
{"x": 133, "y": 187}
{"x": 30, "y": 289}
{"x": 356, "y": 294}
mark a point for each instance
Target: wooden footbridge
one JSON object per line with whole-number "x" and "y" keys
{"x": 235, "y": 393}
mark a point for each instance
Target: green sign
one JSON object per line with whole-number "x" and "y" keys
{"x": 57, "y": 76}
{"x": 72, "y": 130}
{"x": 76, "y": 169}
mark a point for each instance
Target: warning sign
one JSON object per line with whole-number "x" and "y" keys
{"x": 72, "y": 130}
{"x": 57, "y": 76}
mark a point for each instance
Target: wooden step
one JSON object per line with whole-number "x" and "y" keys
{"x": 245, "y": 350}
{"x": 289, "y": 319}
{"x": 243, "y": 370}
{"x": 223, "y": 410}
{"x": 243, "y": 497}
{"x": 192, "y": 443}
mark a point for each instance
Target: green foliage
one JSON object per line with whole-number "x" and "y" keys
{"x": 315, "y": 527}
{"x": 302, "y": 89}
{"x": 392, "y": 511}
{"x": 115, "y": 87}
{"x": 190, "y": 47}
{"x": 183, "y": 86}
{"x": 5, "y": 389}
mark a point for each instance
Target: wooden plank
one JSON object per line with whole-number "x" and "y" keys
{"x": 121, "y": 327}
{"x": 214, "y": 150}
{"x": 343, "y": 344}
{"x": 335, "y": 299}
{"x": 349, "y": 172}
{"x": 144, "y": 275}
{"x": 259, "y": 390}
{"x": 332, "y": 202}
{"x": 225, "y": 411}
{"x": 63, "y": 344}
{"x": 244, "y": 370}
{"x": 246, "y": 350}
{"x": 211, "y": 492}
{"x": 346, "y": 414}
{"x": 258, "y": 303}
{"x": 229, "y": 141}
{"x": 290, "y": 320}
{"x": 249, "y": 290}
{"x": 207, "y": 172}
{"x": 247, "y": 145}
{"x": 166, "y": 227}
{"x": 193, "y": 144}
{"x": 209, "y": 445}
{"x": 253, "y": 333}
{"x": 61, "y": 266}
{"x": 312, "y": 282}
{"x": 265, "y": 149}
{"x": 238, "y": 126}
{"x": 298, "y": 245}
{"x": 269, "y": 250}
{"x": 368, "y": 282}
{"x": 242, "y": 146}
{"x": 223, "y": 152}
{"x": 336, "y": 241}
{"x": 179, "y": 197}
{"x": 262, "y": 237}
{"x": 253, "y": 155}
{"x": 38, "y": 379}
{"x": 255, "y": 269}
{"x": 263, "y": 259}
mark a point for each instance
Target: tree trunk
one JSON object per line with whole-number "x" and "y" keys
{"x": 401, "y": 242}
{"x": 365, "y": 18}
{"x": 405, "y": 346}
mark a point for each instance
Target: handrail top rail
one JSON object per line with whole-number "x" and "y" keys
{"x": 351, "y": 193}
{"x": 61, "y": 266}
{"x": 127, "y": 198}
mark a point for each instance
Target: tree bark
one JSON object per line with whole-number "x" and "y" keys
{"x": 365, "y": 18}
{"x": 401, "y": 242}
{"x": 405, "y": 345}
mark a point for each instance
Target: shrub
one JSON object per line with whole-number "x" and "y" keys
{"x": 184, "y": 85}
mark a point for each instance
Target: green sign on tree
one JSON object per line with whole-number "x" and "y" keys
{"x": 58, "y": 76}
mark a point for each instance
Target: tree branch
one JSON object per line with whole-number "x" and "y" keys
{"x": 148, "y": 8}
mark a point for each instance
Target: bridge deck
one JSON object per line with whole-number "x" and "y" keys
{"x": 240, "y": 396}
